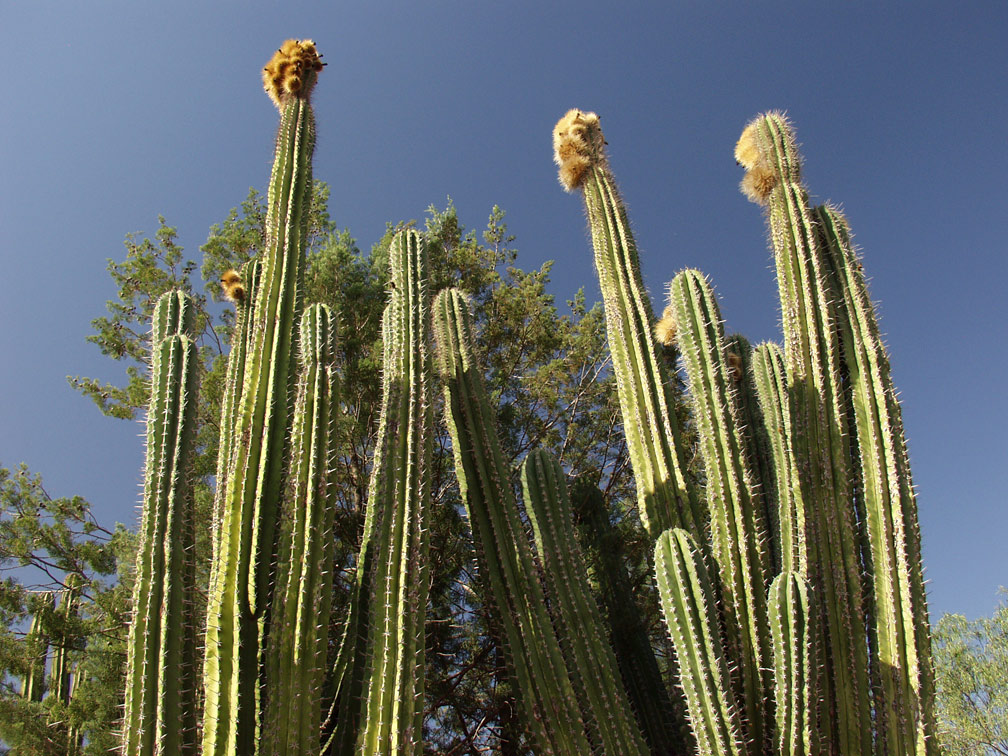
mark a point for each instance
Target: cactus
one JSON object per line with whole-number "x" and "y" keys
{"x": 37, "y": 646}
{"x": 902, "y": 640}
{"x": 654, "y": 440}
{"x": 789, "y": 626}
{"x": 160, "y": 708}
{"x": 689, "y": 603}
{"x": 299, "y": 636}
{"x": 590, "y": 661}
{"x": 380, "y": 667}
{"x": 812, "y": 351}
{"x": 239, "y": 603}
{"x": 738, "y": 530}
{"x": 503, "y": 553}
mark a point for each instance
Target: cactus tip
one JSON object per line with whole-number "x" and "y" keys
{"x": 577, "y": 144}
{"x": 734, "y": 366}
{"x": 292, "y": 71}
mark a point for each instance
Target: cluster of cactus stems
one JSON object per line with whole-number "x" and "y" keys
{"x": 790, "y": 581}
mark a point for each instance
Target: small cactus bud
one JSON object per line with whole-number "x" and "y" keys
{"x": 665, "y": 328}
{"x": 232, "y": 286}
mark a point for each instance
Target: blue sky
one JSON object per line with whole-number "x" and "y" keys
{"x": 118, "y": 112}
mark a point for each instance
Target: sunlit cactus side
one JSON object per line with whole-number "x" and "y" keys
{"x": 657, "y": 453}
{"x": 660, "y": 713}
{"x": 689, "y": 603}
{"x": 590, "y": 661}
{"x": 299, "y": 634}
{"x": 161, "y": 674}
{"x": 770, "y": 378}
{"x": 239, "y": 603}
{"x": 737, "y": 526}
{"x": 503, "y": 552}
{"x": 904, "y": 716}
{"x": 768, "y": 152}
{"x": 62, "y": 673}
{"x": 234, "y": 379}
{"x": 37, "y": 646}
{"x": 380, "y": 665}
{"x": 792, "y": 665}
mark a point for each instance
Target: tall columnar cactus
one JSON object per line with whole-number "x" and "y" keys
{"x": 770, "y": 377}
{"x": 691, "y": 613}
{"x": 659, "y": 712}
{"x": 380, "y": 667}
{"x": 769, "y": 154}
{"x": 160, "y": 709}
{"x": 239, "y": 603}
{"x": 664, "y": 494}
{"x": 590, "y": 660}
{"x": 503, "y": 553}
{"x": 299, "y": 635}
{"x": 789, "y": 625}
{"x": 904, "y": 711}
{"x": 738, "y": 530}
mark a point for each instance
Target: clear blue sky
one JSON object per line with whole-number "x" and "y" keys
{"x": 116, "y": 112}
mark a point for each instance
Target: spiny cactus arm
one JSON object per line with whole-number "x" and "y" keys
{"x": 789, "y": 626}
{"x": 233, "y": 382}
{"x": 738, "y": 531}
{"x": 238, "y": 606}
{"x": 755, "y": 440}
{"x": 590, "y": 660}
{"x": 689, "y": 605}
{"x": 665, "y": 496}
{"x": 300, "y": 621}
{"x": 770, "y": 378}
{"x": 768, "y": 151}
{"x": 160, "y": 709}
{"x": 902, "y": 639}
{"x": 174, "y": 313}
{"x": 37, "y": 645}
{"x": 661, "y": 713}
{"x": 503, "y": 552}
{"x": 60, "y": 668}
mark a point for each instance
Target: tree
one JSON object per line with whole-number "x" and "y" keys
{"x": 971, "y": 664}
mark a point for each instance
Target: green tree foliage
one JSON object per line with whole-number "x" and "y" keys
{"x": 547, "y": 370}
{"x": 971, "y": 666}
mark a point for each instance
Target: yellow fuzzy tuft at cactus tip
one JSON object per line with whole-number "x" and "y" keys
{"x": 578, "y": 144}
{"x": 768, "y": 151}
{"x": 231, "y": 285}
{"x": 665, "y": 328}
{"x": 734, "y": 366}
{"x": 292, "y": 71}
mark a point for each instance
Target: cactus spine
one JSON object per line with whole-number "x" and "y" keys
{"x": 664, "y": 495}
{"x": 380, "y": 667}
{"x": 812, "y": 353}
{"x": 902, "y": 639}
{"x": 738, "y": 530}
{"x": 238, "y": 607}
{"x": 160, "y": 709}
{"x": 503, "y": 552}
{"x": 299, "y": 636}
{"x": 590, "y": 661}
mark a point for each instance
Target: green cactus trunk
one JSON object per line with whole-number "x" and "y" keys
{"x": 657, "y": 453}
{"x": 380, "y": 667}
{"x": 299, "y": 635}
{"x": 818, "y": 408}
{"x": 503, "y": 553}
{"x": 590, "y": 661}
{"x": 690, "y": 606}
{"x": 789, "y": 626}
{"x": 738, "y": 531}
{"x": 37, "y": 646}
{"x": 160, "y": 709}
{"x": 903, "y": 711}
{"x": 239, "y": 605}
